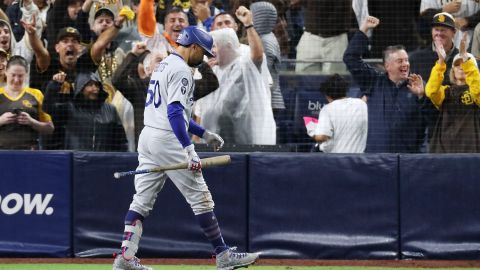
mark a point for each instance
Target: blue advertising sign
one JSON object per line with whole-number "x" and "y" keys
{"x": 35, "y": 204}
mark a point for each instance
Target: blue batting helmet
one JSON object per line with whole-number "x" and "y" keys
{"x": 193, "y": 34}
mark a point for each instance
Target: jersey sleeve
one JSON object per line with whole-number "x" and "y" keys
{"x": 42, "y": 115}
{"x": 434, "y": 89}
{"x": 179, "y": 88}
{"x": 473, "y": 79}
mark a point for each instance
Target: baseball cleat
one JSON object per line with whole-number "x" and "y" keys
{"x": 120, "y": 263}
{"x": 230, "y": 259}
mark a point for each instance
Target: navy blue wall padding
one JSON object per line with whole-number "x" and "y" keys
{"x": 440, "y": 202}
{"x": 284, "y": 205}
{"x": 35, "y": 196}
{"x": 324, "y": 206}
{"x": 101, "y": 202}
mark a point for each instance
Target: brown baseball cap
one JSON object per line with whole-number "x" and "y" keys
{"x": 68, "y": 32}
{"x": 444, "y": 19}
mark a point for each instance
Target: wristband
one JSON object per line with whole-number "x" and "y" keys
{"x": 189, "y": 148}
{"x": 249, "y": 26}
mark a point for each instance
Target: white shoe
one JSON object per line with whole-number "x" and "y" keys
{"x": 121, "y": 263}
{"x": 230, "y": 259}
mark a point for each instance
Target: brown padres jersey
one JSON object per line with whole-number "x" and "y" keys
{"x": 16, "y": 136}
{"x": 458, "y": 126}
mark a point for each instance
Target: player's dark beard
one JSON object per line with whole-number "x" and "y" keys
{"x": 196, "y": 63}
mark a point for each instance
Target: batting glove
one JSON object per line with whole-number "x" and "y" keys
{"x": 194, "y": 163}
{"x": 213, "y": 139}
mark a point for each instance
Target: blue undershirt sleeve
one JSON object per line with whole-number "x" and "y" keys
{"x": 175, "y": 117}
{"x": 195, "y": 129}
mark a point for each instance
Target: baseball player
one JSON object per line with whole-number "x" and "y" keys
{"x": 164, "y": 140}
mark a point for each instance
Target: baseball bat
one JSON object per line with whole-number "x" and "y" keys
{"x": 206, "y": 163}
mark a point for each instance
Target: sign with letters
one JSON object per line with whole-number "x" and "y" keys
{"x": 35, "y": 203}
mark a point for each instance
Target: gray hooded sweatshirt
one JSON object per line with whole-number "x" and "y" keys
{"x": 264, "y": 20}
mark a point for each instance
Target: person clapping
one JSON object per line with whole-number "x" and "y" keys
{"x": 457, "y": 129}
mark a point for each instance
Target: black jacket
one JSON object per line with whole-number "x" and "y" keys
{"x": 126, "y": 80}
{"x": 14, "y": 14}
{"x": 397, "y": 119}
{"x": 57, "y": 18}
{"x": 91, "y": 125}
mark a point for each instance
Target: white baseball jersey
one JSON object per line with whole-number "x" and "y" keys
{"x": 172, "y": 80}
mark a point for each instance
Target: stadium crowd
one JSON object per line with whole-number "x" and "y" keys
{"x": 74, "y": 74}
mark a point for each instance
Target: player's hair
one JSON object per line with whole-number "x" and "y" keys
{"x": 174, "y": 9}
{"x": 17, "y": 60}
{"x": 390, "y": 50}
{"x": 335, "y": 86}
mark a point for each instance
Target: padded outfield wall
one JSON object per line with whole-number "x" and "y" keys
{"x": 285, "y": 205}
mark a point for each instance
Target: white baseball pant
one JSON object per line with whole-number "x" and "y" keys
{"x": 158, "y": 147}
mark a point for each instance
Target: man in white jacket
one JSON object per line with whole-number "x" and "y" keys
{"x": 240, "y": 110}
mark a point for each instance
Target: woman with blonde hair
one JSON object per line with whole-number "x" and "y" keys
{"x": 457, "y": 129}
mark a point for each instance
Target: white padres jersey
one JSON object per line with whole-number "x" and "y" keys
{"x": 171, "y": 81}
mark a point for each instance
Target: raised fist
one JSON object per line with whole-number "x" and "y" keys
{"x": 139, "y": 48}
{"x": 244, "y": 15}
{"x": 370, "y": 23}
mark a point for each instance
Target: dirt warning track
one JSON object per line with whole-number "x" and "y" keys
{"x": 286, "y": 262}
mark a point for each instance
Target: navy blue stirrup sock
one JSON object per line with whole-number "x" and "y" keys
{"x": 131, "y": 216}
{"x": 210, "y": 227}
